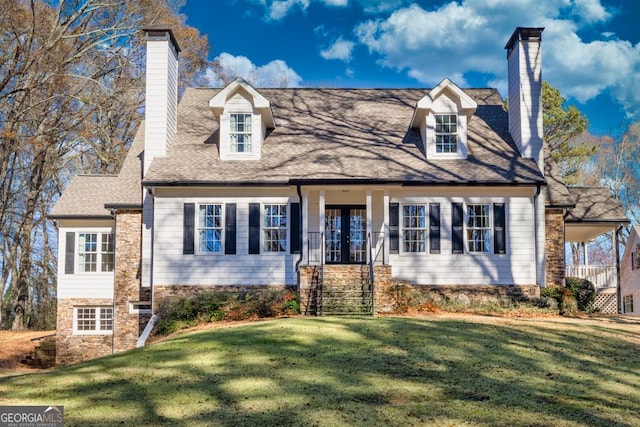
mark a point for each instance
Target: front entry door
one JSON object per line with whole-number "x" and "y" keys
{"x": 345, "y": 229}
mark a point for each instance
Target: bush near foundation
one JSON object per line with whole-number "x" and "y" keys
{"x": 405, "y": 300}
{"x": 578, "y": 292}
{"x": 177, "y": 313}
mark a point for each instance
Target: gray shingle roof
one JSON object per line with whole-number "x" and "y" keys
{"x": 595, "y": 205}
{"x": 556, "y": 192}
{"x": 342, "y": 134}
{"x": 86, "y": 195}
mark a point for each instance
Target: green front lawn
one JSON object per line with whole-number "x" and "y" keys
{"x": 438, "y": 370}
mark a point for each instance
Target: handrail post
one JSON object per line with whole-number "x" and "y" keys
{"x": 371, "y": 276}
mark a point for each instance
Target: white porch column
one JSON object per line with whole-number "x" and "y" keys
{"x": 369, "y": 222}
{"x": 321, "y": 203}
{"x": 585, "y": 252}
{"x": 305, "y": 227}
{"x": 385, "y": 209}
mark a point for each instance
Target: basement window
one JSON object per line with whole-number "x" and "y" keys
{"x": 140, "y": 307}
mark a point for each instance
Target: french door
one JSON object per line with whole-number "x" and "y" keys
{"x": 345, "y": 229}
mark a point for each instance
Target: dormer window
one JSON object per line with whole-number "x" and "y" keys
{"x": 244, "y": 116}
{"x": 442, "y": 117}
{"x": 446, "y": 133}
{"x": 240, "y": 133}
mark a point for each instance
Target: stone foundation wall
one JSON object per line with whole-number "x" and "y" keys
{"x": 554, "y": 247}
{"x": 72, "y": 348}
{"x": 128, "y": 326}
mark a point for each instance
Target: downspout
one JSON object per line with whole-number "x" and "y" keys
{"x": 618, "y": 279}
{"x": 113, "y": 213}
{"x": 535, "y": 228}
{"x": 142, "y": 339}
{"x": 301, "y": 248}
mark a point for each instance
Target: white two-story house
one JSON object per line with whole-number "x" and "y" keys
{"x": 244, "y": 188}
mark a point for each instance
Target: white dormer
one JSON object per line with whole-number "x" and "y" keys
{"x": 244, "y": 117}
{"x": 442, "y": 118}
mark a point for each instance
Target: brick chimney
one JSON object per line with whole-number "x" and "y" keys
{"x": 161, "y": 106}
{"x": 524, "y": 56}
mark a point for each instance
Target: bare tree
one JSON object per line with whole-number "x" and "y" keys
{"x": 71, "y": 93}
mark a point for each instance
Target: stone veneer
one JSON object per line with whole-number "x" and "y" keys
{"x": 345, "y": 274}
{"x": 128, "y": 237}
{"x": 554, "y": 247}
{"x": 72, "y": 348}
{"x": 349, "y": 274}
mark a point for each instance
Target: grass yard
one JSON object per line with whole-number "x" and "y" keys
{"x": 437, "y": 370}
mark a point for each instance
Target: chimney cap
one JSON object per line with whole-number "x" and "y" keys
{"x": 524, "y": 33}
{"x": 162, "y": 32}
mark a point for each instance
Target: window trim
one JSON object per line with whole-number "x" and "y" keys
{"x": 263, "y": 228}
{"x": 425, "y": 229}
{"x": 233, "y": 146}
{"x": 489, "y": 228}
{"x": 627, "y": 302}
{"x": 98, "y": 252}
{"x": 98, "y": 319}
{"x": 197, "y": 229}
{"x": 456, "y": 134}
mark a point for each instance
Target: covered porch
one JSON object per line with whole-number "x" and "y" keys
{"x": 596, "y": 217}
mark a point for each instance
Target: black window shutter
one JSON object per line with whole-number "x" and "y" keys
{"x": 295, "y": 234}
{"x": 254, "y": 228}
{"x": 394, "y": 222}
{"x": 499, "y": 234}
{"x": 633, "y": 260}
{"x": 69, "y": 260}
{"x": 434, "y": 228}
{"x": 457, "y": 218}
{"x": 188, "y": 229}
{"x": 230, "y": 229}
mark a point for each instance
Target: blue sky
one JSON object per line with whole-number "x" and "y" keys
{"x": 591, "y": 48}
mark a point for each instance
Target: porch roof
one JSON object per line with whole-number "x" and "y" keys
{"x": 596, "y": 212}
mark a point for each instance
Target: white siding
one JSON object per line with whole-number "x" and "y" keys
{"x": 82, "y": 285}
{"x": 172, "y": 267}
{"x": 517, "y": 266}
{"x": 241, "y": 102}
{"x": 161, "y": 96}
{"x": 525, "y": 99}
{"x": 630, "y": 279}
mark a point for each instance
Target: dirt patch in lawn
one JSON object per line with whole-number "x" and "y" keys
{"x": 14, "y": 347}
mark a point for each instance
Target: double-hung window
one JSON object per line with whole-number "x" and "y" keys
{"x": 628, "y": 303}
{"x": 95, "y": 252}
{"x": 210, "y": 228}
{"x": 275, "y": 228}
{"x": 240, "y": 132}
{"x": 93, "y": 319}
{"x": 478, "y": 228}
{"x": 446, "y": 133}
{"x": 414, "y": 228}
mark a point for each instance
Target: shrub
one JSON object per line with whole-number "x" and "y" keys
{"x": 568, "y": 303}
{"x": 584, "y": 291}
{"x": 182, "y": 312}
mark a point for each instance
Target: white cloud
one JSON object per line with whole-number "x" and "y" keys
{"x": 273, "y": 74}
{"x": 380, "y": 6}
{"x": 469, "y": 36}
{"x": 341, "y": 50}
{"x": 336, "y": 2}
{"x": 281, "y": 8}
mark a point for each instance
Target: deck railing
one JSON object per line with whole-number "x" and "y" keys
{"x": 600, "y": 276}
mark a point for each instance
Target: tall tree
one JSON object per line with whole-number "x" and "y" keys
{"x": 565, "y": 134}
{"x": 71, "y": 92}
